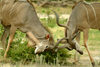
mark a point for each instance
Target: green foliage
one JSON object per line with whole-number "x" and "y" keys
{"x": 88, "y": 0}
{"x": 20, "y": 52}
{"x": 1, "y": 30}
{"x": 91, "y": 0}
{"x": 54, "y": 57}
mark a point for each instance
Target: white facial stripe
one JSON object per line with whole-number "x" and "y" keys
{"x": 36, "y": 50}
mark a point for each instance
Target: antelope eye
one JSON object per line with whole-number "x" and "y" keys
{"x": 35, "y": 47}
{"x": 46, "y": 46}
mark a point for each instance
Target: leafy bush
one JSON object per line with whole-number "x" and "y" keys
{"x": 58, "y": 57}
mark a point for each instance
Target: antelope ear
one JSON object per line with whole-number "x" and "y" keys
{"x": 47, "y": 36}
{"x": 75, "y": 3}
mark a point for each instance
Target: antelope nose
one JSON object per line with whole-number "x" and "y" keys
{"x": 37, "y": 51}
{"x": 80, "y": 51}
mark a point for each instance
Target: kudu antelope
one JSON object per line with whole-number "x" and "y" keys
{"x": 22, "y": 16}
{"x": 83, "y": 17}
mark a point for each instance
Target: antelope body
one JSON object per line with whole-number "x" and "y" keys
{"x": 22, "y": 16}
{"x": 83, "y": 17}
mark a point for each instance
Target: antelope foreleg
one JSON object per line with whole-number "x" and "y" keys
{"x": 76, "y": 55}
{"x": 85, "y": 36}
{"x": 30, "y": 35}
{"x": 30, "y": 43}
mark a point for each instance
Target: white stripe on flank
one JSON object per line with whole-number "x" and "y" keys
{"x": 94, "y": 12}
{"x": 92, "y": 9}
{"x": 86, "y": 12}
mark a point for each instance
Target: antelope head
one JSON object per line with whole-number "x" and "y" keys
{"x": 43, "y": 43}
{"x": 68, "y": 40}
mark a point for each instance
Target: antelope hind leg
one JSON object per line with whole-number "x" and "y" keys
{"x": 12, "y": 32}
{"x": 85, "y": 36}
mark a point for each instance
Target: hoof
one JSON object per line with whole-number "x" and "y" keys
{"x": 93, "y": 64}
